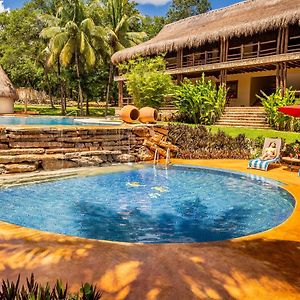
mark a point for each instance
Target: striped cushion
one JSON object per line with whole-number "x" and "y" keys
{"x": 261, "y": 164}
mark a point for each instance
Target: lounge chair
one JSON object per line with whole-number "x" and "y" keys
{"x": 264, "y": 164}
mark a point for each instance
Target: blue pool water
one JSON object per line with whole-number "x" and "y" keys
{"x": 150, "y": 205}
{"x": 47, "y": 121}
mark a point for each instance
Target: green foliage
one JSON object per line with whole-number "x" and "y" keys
{"x": 198, "y": 142}
{"x": 17, "y": 54}
{"x": 253, "y": 133}
{"x": 147, "y": 81}
{"x": 183, "y": 9}
{"x": 152, "y": 25}
{"x": 200, "y": 103}
{"x": 271, "y": 104}
{"x": 10, "y": 290}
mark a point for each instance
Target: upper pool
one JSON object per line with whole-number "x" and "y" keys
{"x": 151, "y": 205}
{"x": 52, "y": 121}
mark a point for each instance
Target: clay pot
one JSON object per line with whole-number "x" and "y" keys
{"x": 148, "y": 115}
{"x": 129, "y": 114}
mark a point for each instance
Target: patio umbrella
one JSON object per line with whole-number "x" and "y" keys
{"x": 293, "y": 110}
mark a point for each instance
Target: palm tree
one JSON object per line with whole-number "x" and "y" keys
{"x": 118, "y": 18}
{"x": 73, "y": 39}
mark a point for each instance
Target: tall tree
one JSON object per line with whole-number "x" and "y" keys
{"x": 152, "y": 25}
{"x": 73, "y": 39}
{"x": 183, "y": 9}
{"x": 118, "y": 19}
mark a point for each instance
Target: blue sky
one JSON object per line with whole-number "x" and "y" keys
{"x": 149, "y": 9}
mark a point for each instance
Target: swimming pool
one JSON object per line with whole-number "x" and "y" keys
{"x": 52, "y": 121}
{"x": 150, "y": 205}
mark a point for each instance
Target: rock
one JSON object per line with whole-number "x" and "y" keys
{"x": 15, "y": 159}
{"x": 91, "y": 153}
{"x": 123, "y": 158}
{"x": 65, "y": 150}
{"x": 22, "y": 151}
{"x": 35, "y": 145}
{"x": 51, "y": 164}
{"x": 3, "y": 146}
{"x": 2, "y": 169}
{"x": 144, "y": 154}
{"x": 21, "y": 168}
{"x": 87, "y": 161}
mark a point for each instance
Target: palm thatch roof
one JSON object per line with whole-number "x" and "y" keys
{"x": 7, "y": 89}
{"x": 244, "y": 18}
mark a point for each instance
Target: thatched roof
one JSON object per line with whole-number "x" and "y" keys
{"x": 7, "y": 89}
{"x": 244, "y": 18}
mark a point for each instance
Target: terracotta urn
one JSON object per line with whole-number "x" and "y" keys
{"x": 148, "y": 115}
{"x": 129, "y": 114}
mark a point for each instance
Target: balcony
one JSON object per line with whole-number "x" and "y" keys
{"x": 237, "y": 53}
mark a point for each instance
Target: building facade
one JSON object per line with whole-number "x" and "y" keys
{"x": 250, "y": 46}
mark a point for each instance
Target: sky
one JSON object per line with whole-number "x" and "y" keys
{"x": 147, "y": 7}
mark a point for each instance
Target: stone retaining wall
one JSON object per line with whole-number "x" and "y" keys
{"x": 30, "y": 149}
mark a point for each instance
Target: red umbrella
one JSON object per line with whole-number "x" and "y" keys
{"x": 293, "y": 110}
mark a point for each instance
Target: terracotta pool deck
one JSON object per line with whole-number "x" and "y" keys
{"x": 263, "y": 266}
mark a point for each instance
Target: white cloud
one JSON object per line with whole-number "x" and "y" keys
{"x": 2, "y": 8}
{"x": 153, "y": 2}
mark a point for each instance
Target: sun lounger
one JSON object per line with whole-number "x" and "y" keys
{"x": 263, "y": 165}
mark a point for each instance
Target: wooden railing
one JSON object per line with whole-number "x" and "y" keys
{"x": 241, "y": 52}
{"x": 294, "y": 44}
{"x": 253, "y": 50}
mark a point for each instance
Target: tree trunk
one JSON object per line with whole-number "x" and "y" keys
{"x": 87, "y": 106}
{"x": 109, "y": 86}
{"x": 80, "y": 94}
{"x": 62, "y": 100}
{"x": 49, "y": 91}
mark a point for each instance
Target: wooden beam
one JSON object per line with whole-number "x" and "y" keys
{"x": 121, "y": 93}
{"x": 179, "y": 58}
{"x": 242, "y": 51}
{"x": 279, "y": 40}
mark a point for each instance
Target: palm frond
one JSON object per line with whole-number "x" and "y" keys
{"x": 67, "y": 52}
{"x": 50, "y": 32}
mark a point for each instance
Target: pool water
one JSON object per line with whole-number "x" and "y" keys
{"x": 150, "y": 205}
{"x": 47, "y": 121}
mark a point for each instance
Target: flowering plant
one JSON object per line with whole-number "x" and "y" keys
{"x": 295, "y": 151}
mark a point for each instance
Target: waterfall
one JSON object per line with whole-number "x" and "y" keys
{"x": 156, "y": 157}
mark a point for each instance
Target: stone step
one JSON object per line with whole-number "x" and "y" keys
{"x": 243, "y": 121}
{"x": 245, "y": 125}
{"x": 244, "y": 108}
{"x": 230, "y": 118}
{"x": 254, "y": 117}
{"x": 246, "y": 114}
{"x": 242, "y": 124}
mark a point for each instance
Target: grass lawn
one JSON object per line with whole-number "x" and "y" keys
{"x": 71, "y": 111}
{"x": 252, "y": 133}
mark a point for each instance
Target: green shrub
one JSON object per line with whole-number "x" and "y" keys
{"x": 34, "y": 291}
{"x": 200, "y": 103}
{"x": 147, "y": 81}
{"x": 198, "y": 142}
{"x": 276, "y": 119}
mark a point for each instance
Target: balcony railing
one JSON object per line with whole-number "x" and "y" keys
{"x": 294, "y": 44}
{"x": 238, "y": 53}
